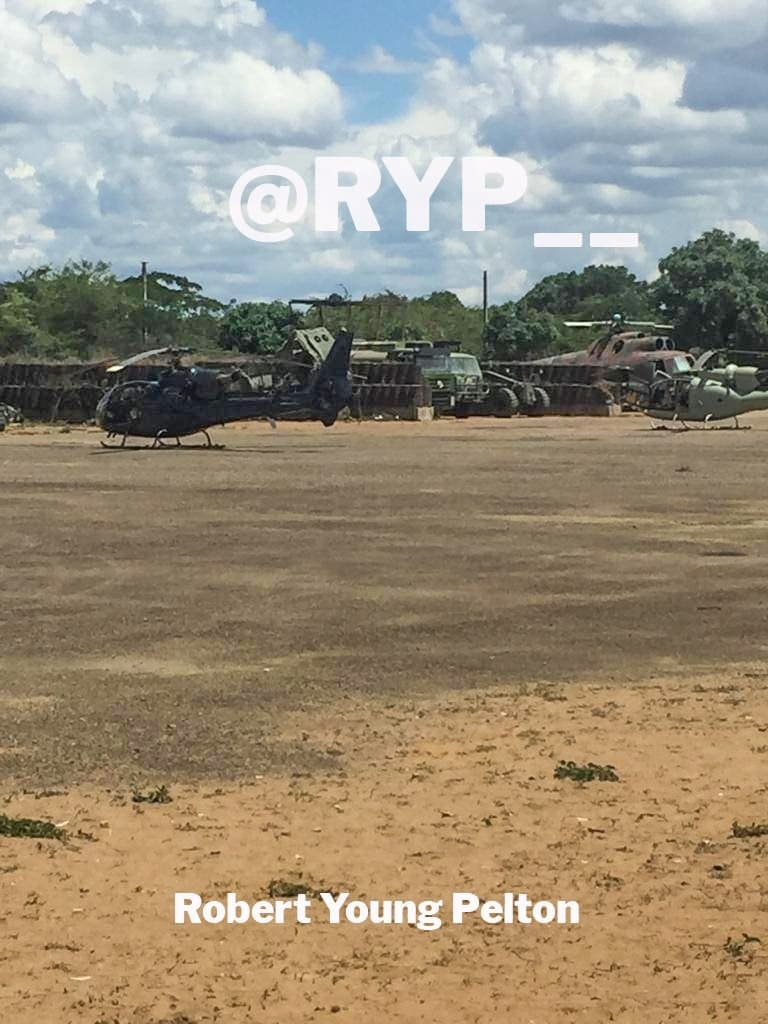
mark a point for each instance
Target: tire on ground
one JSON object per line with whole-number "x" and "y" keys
{"x": 542, "y": 403}
{"x": 505, "y": 402}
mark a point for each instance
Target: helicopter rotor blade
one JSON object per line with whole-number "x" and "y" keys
{"x": 137, "y": 359}
{"x": 618, "y": 323}
{"x": 150, "y": 354}
{"x": 587, "y": 323}
{"x": 704, "y": 359}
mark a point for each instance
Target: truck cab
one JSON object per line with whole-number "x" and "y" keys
{"x": 455, "y": 378}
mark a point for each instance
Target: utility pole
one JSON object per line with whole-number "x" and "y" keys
{"x": 485, "y": 310}
{"x": 144, "y": 306}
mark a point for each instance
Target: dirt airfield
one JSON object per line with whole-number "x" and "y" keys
{"x": 355, "y": 658}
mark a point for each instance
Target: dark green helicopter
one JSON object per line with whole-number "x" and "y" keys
{"x": 187, "y": 400}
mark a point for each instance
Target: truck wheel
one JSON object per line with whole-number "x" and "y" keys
{"x": 461, "y": 412}
{"x": 505, "y": 403}
{"x": 541, "y": 404}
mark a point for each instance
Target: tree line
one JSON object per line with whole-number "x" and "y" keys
{"x": 714, "y": 291}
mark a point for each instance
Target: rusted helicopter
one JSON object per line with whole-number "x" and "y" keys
{"x": 632, "y": 353}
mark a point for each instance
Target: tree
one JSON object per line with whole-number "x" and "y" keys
{"x": 511, "y": 336}
{"x": 595, "y": 293}
{"x": 171, "y": 292}
{"x": 444, "y": 315}
{"x": 79, "y": 309}
{"x": 715, "y": 290}
{"x": 18, "y": 331}
{"x": 257, "y": 326}
{"x": 176, "y": 311}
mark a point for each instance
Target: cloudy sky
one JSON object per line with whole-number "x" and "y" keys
{"x": 125, "y": 123}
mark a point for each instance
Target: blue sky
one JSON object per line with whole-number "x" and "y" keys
{"x": 348, "y": 30}
{"x": 124, "y": 125}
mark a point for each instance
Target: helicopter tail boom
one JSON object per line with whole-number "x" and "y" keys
{"x": 336, "y": 363}
{"x": 330, "y": 390}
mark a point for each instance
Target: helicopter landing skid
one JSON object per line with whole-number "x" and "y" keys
{"x": 209, "y": 445}
{"x": 113, "y": 445}
{"x": 682, "y": 426}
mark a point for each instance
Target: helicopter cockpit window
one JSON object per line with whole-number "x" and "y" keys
{"x": 618, "y": 346}
{"x": 679, "y": 364}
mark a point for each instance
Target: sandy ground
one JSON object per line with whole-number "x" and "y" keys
{"x": 355, "y": 658}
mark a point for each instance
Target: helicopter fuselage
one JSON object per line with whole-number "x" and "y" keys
{"x": 711, "y": 395}
{"x": 145, "y": 409}
{"x": 186, "y": 401}
{"x": 641, "y": 356}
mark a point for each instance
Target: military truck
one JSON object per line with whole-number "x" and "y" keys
{"x": 455, "y": 378}
{"x": 461, "y": 388}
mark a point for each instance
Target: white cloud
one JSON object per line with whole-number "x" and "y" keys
{"x": 38, "y": 9}
{"x": 20, "y": 171}
{"x": 672, "y": 25}
{"x": 734, "y": 24}
{"x": 743, "y": 229}
{"x": 23, "y": 228}
{"x": 242, "y": 97}
{"x": 563, "y": 95}
{"x": 379, "y": 61}
{"x": 445, "y": 27}
{"x": 101, "y": 72}
{"x": 136, "y": 120}
{"x": 207, "y": 201}
{"x": 31, "y": 85}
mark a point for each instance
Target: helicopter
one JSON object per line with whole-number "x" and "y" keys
{"x": 188, "y": 400}
{"x": 631, "y": 352}
{"x": 707, "y": 395}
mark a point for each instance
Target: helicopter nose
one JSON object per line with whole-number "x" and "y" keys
{"x": 108, "y": 412}
{"x": 101, "y": 415}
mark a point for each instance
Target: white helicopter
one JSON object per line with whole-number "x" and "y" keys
{"x": 706, "y": 395}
